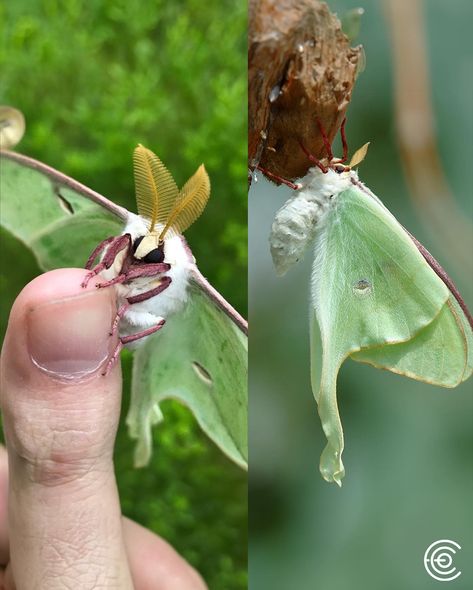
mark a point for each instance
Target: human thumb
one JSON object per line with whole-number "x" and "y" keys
{"x": 60, "y": 418}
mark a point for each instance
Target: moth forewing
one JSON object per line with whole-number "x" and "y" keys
{"x": 371, "y": 288}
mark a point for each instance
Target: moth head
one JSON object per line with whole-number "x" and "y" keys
{"x": 339, "y": 167}
{"x": 167, "y": 210}
{"x": 148, "y": 248}
{"x": 336, "y": 164}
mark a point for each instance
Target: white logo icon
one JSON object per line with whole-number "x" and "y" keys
{"x": 438, "y": 560}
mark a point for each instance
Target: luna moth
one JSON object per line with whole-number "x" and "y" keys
{"x": 376, "y": 294}
{"x": 200, "y": 355}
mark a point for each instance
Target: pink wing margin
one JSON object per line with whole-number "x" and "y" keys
{"x": 219, "y": 301}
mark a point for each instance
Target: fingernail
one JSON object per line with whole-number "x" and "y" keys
{"x": 69, "y": 338}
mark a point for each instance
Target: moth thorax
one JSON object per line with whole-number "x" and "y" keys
{"x": 293, "y": 230}
{"x": 321, "y": 186}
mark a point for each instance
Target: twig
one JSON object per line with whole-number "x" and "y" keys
{"x": 301, "y": 68}
{"x": 428, "y": 184}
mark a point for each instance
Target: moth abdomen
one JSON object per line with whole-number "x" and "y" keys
{"x": 293, "y": 229}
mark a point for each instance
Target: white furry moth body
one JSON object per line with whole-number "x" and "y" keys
{"x": 297, "y": 221}
{"x": 150, "y": 312}
{"x": 149, "y": 264}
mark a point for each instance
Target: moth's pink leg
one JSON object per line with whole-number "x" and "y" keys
{"x": 126, "y": 340}
{"x": 135, "y": 272}
{"x": 113, "y": 359}
{"x": 279, "y": 178}
{"x": 328, "y": 147}
{"x": 133, "y": 337}
{"x": 115, "y": 247}
{"x": 127, "y": 262}
{"x": 165, "y": 282}
{"x": 313, "y": 159}
{"x": 146, "y": 270}
{"x": 120, "y": 313}
{"x": 97, "y": 251}
{"x": 344, "y": 142}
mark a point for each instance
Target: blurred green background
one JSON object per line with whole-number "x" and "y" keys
{"x": 94, "y": 78}
{"x": 409, "y": 446}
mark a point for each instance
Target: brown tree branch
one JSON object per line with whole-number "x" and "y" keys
{"x": 301, "y": 68}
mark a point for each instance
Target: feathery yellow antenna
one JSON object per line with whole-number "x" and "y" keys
{"x": 190, "y": 203}
{"x": 156, "y": 190}
{"x": 359, "y": 155}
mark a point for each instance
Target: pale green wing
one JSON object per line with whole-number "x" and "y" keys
{"x": 371, "y": 286}
{"x": 200, "y": 358}
{"x": 59, "y": 219}
{"x": 440, "y": 354}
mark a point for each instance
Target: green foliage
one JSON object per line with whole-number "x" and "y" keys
{"x": 93, "y": 79}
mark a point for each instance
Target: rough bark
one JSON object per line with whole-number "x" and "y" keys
{"x": 301, "y": 68}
